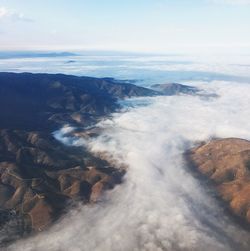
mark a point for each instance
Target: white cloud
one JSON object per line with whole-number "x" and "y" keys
{"x": 13, "y": 15}
{"x": 3, "y": 12}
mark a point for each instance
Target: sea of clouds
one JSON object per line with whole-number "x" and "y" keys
{"x": 145, "y": 69}
{"x": 160, "y": 205}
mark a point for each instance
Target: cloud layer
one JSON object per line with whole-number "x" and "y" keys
{"x": 160, "y": 206}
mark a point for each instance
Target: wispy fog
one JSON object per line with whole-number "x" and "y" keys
{"x": 160, "y": 205}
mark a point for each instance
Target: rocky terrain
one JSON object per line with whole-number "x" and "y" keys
{"x": 226, "y": 162}
{"x": 39, "y": 176}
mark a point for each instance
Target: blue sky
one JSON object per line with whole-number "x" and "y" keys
{"x": 132, "y": 25}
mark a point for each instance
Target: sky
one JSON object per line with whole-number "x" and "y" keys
{"x": 129, "y": 25}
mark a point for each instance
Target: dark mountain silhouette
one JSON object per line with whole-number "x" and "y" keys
{"x": 44, "y": 101}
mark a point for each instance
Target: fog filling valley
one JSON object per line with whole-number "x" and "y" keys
{"x": 160, "y": 205}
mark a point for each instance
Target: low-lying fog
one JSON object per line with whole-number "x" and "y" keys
{"x": 160, "y": 205}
